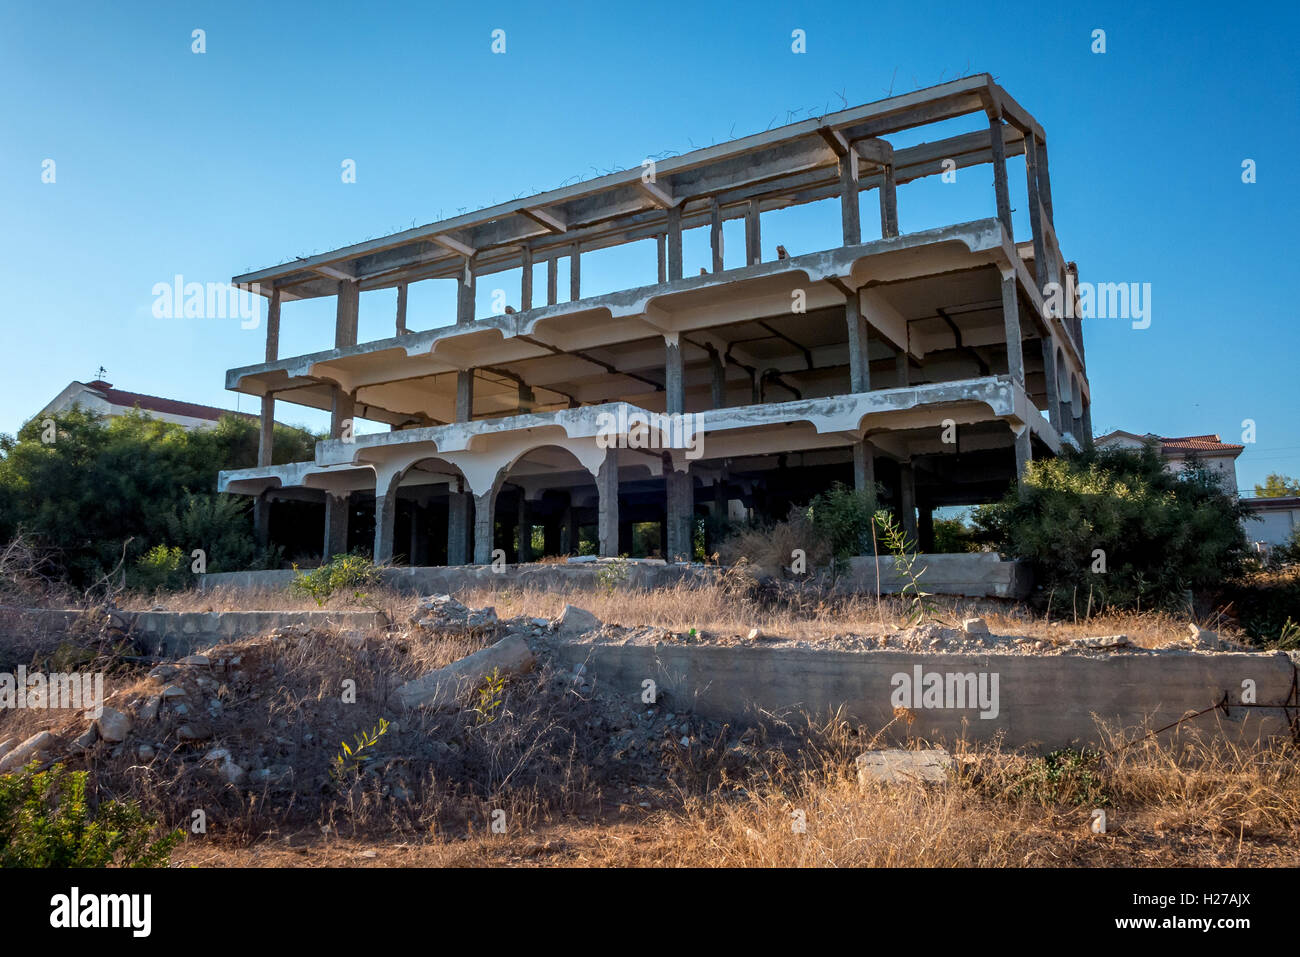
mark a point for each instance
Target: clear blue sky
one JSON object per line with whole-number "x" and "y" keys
{"x": 209, "y": 165}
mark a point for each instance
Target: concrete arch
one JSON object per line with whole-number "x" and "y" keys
{"x": 560, "y": 523}
{"x": 389, "y": 477}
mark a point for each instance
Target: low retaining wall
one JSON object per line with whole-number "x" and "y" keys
{"x": 1041, "y": 702}
{"x": 978, "y": 575}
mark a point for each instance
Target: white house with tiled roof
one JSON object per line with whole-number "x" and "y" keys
{"x": 100, "y": 396}
{"x": 1216, "y": 455}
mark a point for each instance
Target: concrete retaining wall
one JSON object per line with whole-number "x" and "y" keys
{"x": 1043, "y": 702}
{"x": 976, "y": 574}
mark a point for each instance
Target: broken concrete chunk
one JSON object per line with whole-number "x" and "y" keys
{"x": 41, "y": 743}
{"x": 87, "y": 739}
{"x": 149, "y": 710}
{"x": 1101, "y": 642}
{"x": 899, "y": 766}
{"x": 113, "y": 725}
{"x": 975, "y": 626}
{"x": 194, "y": 731}
{"x": 575, "y": 621}
{"x": 197, "y": 661}
{"x": 7, "y": 745}
{"x": 443, "y": 688}
{"x": 755, "y": 634}
{"x": 442, "y": 613}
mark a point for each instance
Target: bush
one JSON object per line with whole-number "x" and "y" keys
{"x": 953, "y": 536}
{"x": 340, "y": 573}
{"x": 160, "y": 567}
{"x": 843, "y": 518}
{"x": 45, "y": 821}
{"x": 1159, "y": 533}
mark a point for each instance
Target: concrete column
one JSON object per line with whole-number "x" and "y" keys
{"x": 1044, "y": 180}
{"x": 415, "y": 550}
{"x": 342, "y": 409}
{"x": 337, "y": 509}
{"x": 1041, "y": 272}
{"x": 850, "y": 216}
{"x": 465, "y": 395}
{"x": 888, "y": 203}
{"x": 569, "y": 531}
{"x": 401, "y": 310}
{"x": 859, "y": 356}
{"x": 1086, "y": 437}
{"x": 661, "y": 241}
{"x": 575, "y": 273}
{"x": 485, "y": 510}
{"x": 385, "y": 519}
{"x": 266, "y": 424}
{"x": 266, "y": 432}
{"x": 465, "y": 295}
{"x": 607, "y": 514}
{"x": 262, "y": 519}
{"x": 1011, "y": 328}
{"x": 674, "y": 243}
{"x": 753, "y": 235}
{"x": 715, "y": 236}
{"x": 345, "y": 315}
{"x": 674, "y": 378}
{"x": 526, "y": 279}
{"x": 680, "y": 494}
{"x": 273, "y": 326}
{"x": 525, "y": 530}
{"x": 458, "y": 528}
{"x": 552, "y": 281}
{"x": 1049, "y": 376}
{"x": 717, "y": 379}
{"x": 864, "y": 466}
{"x": 1000, "y": 191}
{"x": 1024, "y": 452}
{"x": 907, "y": 499}
{"x": 903, "y": 369}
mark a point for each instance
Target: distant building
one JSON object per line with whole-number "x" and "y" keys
{"x": 1215, "y": 455}
{"x": 1278, "y": 518}
{"x": 100, "y": 396}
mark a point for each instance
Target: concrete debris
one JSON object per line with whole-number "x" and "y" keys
{"x": 899, "y": 766}
{"x": 149, "y": 709}
{"x": 1100, "y": 643}
{"x": 975, "y": 626}
{"x": 33, "y": 749}
{"x": 445, "y": 687}
{"x": 574, "y": 621}
{"x": 442, "y": 614}
{"x": 113, "y": 725}
{"x": 87, "y": 739}
{"x": 755, "y": 634}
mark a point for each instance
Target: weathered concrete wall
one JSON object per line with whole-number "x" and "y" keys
{"x": 976, "y": 575}
{"x": 179, "y": 633}
{"x": 1043, "y": 702}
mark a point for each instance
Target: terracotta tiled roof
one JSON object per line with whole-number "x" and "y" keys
{"x": 153, "y": 403}
{"x": 1197, "y": 443}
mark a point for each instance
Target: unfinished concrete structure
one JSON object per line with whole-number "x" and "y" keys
{"x": 922, "y": 362}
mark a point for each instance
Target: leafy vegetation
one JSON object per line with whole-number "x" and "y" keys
{"x": 46, "y": 821}
{"x": 906, "y": 562}
{"x": 1278, "y": 486}
{"x": 843, "y": 517}
{"x": 351, "y": 758}
{"x": 1113, "y": 524}
{"x": 341, "y": 573}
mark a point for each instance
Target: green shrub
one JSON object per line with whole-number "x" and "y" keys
{"x": 160, "y": 567}
{"x": 1066, "y": 776}
{"x": 842, "y": 517}
{"x": 45, "y": 821}
{"x": 953, "y": 536}
{"x": 1158, "y": 534}
{"x": 341, "y": 573}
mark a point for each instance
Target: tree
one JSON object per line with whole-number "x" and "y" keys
{"x": 1278, "y": 486}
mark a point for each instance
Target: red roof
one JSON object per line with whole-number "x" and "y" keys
{"x": 1197, "y": 443}
{"x": 153, "y": 403}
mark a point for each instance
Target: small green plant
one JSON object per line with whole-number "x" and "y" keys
{"x": 919, "y": 605}
{"x": 350, "y": 759}
{"x": 46, "y": 821}
{"x": 1066, "y": 776}
{"x": 1289, "y": 639}
{"x": 612, "y": 575}
{"x": 340, "y": 573}
{"x": 842, "y": 518}
{"x": 160, "y": 567}
{"x": 489, "y": 698}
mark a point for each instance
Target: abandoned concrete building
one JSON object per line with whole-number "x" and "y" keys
{"x": 922, "y": 362}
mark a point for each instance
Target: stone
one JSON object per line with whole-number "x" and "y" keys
{"x": 1100, "y": 643}
{"x": 173, "y": 691}
{"x": 232, "y": 772}
{"x": 87, "y": 739}
{"x": 442, "y": 614}
{"x": 272, "y": 776}
{"x": 194, "y": 731}
{"x": 145, "y": 752}
{"x": 574, "y": 621}
{"x": 445, "y": 687}
{"x": 149, "y": 710}
{"x": 217, "y": 754}
{"x": 113, "y": 725}
{"x": 1202, "y": 638}
{"x": 900, "y": 766}
{"x": 755, "y": 634}
{"x": 7, "y": 745}
{"x": 975, "y": 626}
{"x": 201, "y": 661}
{"x": 39, "y": 744}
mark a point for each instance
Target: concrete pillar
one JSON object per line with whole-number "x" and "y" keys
{"x": 465, "y": 294}
{"x": 661, "y": 241}
{"x": 525, "y": 530}
{"x": 888, "y": 202}
{"x": 1024, "y": 452}
{"x": 850, "y": 217}
{"x": 342, "y": 408}
{"x": 526, "y": 279}
{"x": 401, "y": 310}
{"x": 1011, "y": 328}
{"x": 1086, "y": 437}
{"x": 753, "y": 235}
{"x": 907, "y": 500}
{"x": 415, "y": 552}
{"x": 715, "y": 236}
{"x": 1044, "y": 180}
{"x": 273, "y": 326}
{"x": 458, "y": 528}
{"x": 552, "y": 281}
{"x": 1049, "y": 376}
{"x": 485, "y": 510}
{"x": 345, "y": 315}
{"x": 1063, "y": 414}
{"x": 385, "y": 519}
{"x": 465, "y": 395}
{"x": 266, "y": 430}
{"x": 864, "y": 466}
{"x": 717, "y": 379}
{"x": 674, "y": 378}
{"x": 674, "y": 243}
{"x": 1000, "y": 191}
{"x": 1041, "y": 272}
{"x": 569, "y": 531}
{"x": 262, "y": 519}
{"x": 680, "y": 494}
{"x": 859, "y": 356}
{"x": 337, "y": 510}
{"x": 607, "y": 514}
{"x": 575, "y": 273}
{"x": 903, "y": 369}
